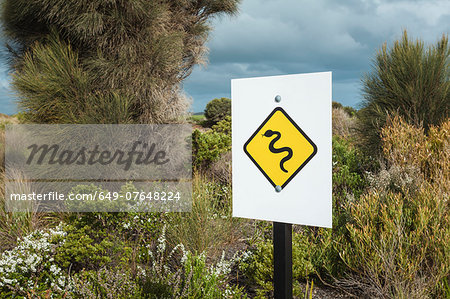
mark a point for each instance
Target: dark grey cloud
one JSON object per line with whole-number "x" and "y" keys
{"x": 273, "y": 37}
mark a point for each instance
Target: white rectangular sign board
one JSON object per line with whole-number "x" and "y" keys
{"x": 282, "y": 155}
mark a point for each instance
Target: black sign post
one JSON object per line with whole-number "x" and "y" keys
{"x": 282, "y": 260}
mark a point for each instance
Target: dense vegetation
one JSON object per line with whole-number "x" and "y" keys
{"x": 390, "y": 207}
{"x": 409, "y": 80}
{"x": 389, "y": 238}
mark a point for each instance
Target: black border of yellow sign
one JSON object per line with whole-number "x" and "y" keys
{"x": 301, "y": 132}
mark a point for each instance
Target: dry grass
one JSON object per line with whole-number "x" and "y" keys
{"x": 209, "y": 227}
{"x": 14, "y": 226}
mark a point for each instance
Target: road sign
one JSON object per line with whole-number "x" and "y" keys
{"x": 279, "y": 148}
{"x": 292, "y": 145}
{"x": 281, "y": 136}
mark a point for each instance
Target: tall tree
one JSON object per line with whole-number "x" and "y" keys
{"x": 407, "y": 80}
{"x": 106, "y": 60}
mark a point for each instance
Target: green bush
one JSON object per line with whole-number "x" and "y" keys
{"x": 349, "y": 182}
{"x": 348, "y": 169}
{"x": 129, "y": 224}
{"x": 223, "y": 126}
{"x": 216, "y": 110}
{"x": 408, "y": 80}
{"x": 89, "y": 248}
{"x": 106, "y": 239}
{"x": 67, "y": 262}
{"x": 207, "y": 147}
{"x": 54, "y": 88}
{"x": 257, "y": 265}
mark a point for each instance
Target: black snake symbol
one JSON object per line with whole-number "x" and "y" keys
{"x": 270, "y": 133}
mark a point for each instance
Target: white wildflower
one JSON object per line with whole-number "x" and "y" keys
{"x": 55, "y": 269}
{"x": 162, "y": 241}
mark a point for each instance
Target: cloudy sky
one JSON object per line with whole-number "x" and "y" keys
{"x": 275, "y": 37}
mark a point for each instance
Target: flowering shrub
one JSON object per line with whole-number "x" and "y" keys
{"x": 105, "y": 283}
{"x": 178, "y": 273}
{"x": 33, "y": 269}
{"x": 30, "y": 267}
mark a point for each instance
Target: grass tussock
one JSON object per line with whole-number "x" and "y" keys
{"x": 209, "y": 227}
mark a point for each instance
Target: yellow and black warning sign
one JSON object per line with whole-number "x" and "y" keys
{"x": 279, "y": 148}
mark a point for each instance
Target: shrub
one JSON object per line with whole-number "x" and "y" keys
{"x": 406, "y": 80}
{"x": 406, "y": 145}
{"x": 223, "y": 126}
{"x": 389, "y": 227}
{"x": 54, "y": 88}
{"x": 188, "y": 276}
{"x": 216, "y": 110}
{"x": 97, "y": 240}
{"x": 349, "y": 166}
{"x": 30, "y": 269}
{"x": 207, "y": 147}
{"x": 257, "y": 265}
{"x": 133, "y": 225}
{"x": 398, "y": 244}
{"x": 105, "y": 283}
{"x": 342, "y": 124}
{"x": 398, "y": 232}
{"x": 220, "y": 170}
{"x": 91, "y": 248}
{"x": 347, "y": 109}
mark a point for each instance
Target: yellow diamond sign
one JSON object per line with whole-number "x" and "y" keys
{"x": 279, "y": 148}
